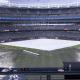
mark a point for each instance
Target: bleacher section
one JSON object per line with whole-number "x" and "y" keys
{"x": 27, "y": 23}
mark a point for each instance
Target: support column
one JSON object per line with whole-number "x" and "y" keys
{"x": 48, "y": 77}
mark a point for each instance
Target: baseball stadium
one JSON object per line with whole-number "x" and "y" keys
{"x": 39, "y": 43}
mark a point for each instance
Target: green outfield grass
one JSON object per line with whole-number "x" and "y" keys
{"x": 53, "y": 58}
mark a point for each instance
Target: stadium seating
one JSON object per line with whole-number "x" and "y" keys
{"x": 27, "y": 23}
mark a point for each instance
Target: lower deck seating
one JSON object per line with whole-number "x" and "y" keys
{"x": 22, "y": 35}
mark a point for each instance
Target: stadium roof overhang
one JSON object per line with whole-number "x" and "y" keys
{"x": 60, "y": 7}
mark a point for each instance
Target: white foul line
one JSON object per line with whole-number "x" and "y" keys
{"x": 31, "y": 52}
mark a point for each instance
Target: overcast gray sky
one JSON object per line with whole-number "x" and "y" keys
{"x": 41, "y": 2}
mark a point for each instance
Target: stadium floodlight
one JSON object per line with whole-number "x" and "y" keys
{"x": 31, "y": 52}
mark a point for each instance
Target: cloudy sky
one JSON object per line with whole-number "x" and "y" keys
{"x": 41, "y": 2}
